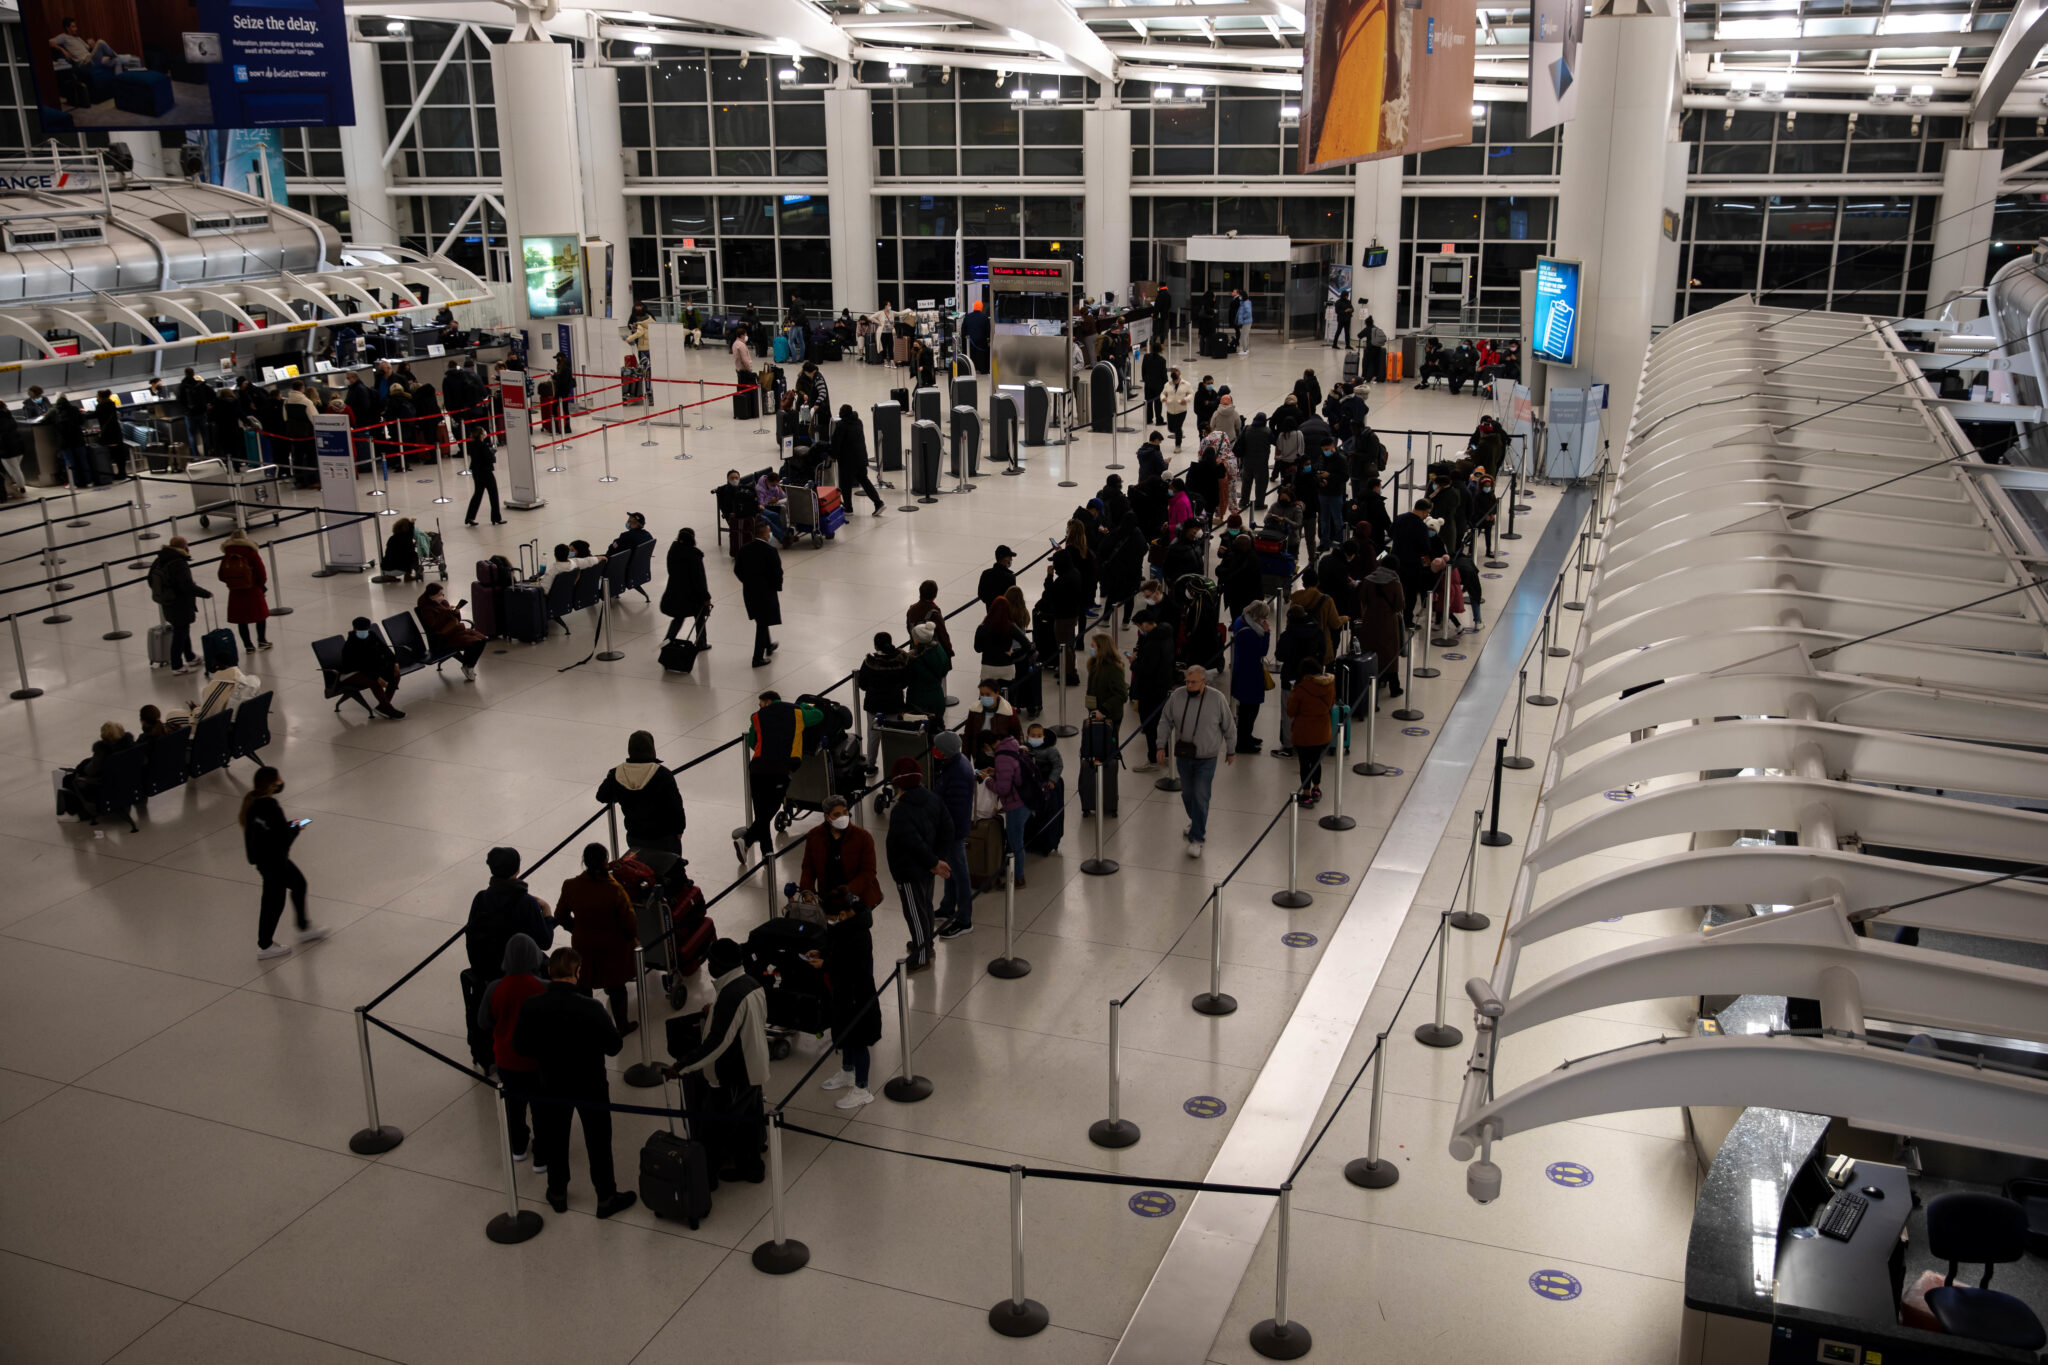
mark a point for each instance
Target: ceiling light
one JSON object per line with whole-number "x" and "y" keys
{"x": 1919, "y": 94}
{"x": 394, "y": 26}
{"x": 642, "y": 50}
{"x": 788, "y": 75}
{"x": 1020, "y": 95}
{"x": 1290, "y": 114}
{"x": 1478, "y": 112}
{"x": 1193, "y": 92}
{"x": 1162, "y": 92}
{"x": 1051, "y": 94}
{"x": 1739, "y": 86}
{"x": 1883, "y": 94}
{"x": 1774, "y": 88}
{"x": 899, "y": 75}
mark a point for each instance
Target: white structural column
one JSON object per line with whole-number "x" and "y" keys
{"x": 604, "y": 187}
{"x": 1106, "y": 210}
{"x": 1610, "y": 202}
{"x": 542, "y": 163}
{"x": 373, "y": 214}
{"x": 1376, "y": 218}
{"x": 850, "y": 187}
{"x": 1962, "y": 234}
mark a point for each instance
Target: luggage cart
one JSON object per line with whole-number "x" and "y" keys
{"x": 799, "y": 996}
{"x": 801, "y": 513}
{"x": 654, "y": 910}
{"x": 904, "y": 737}
{"x": 436, "y": 554}
{"x": 832, "y": 769}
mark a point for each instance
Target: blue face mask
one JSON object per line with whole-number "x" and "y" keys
{"x": 988, "y": 703}
{"x": 1036, "y": 741}
{"x": 362, "y": 635}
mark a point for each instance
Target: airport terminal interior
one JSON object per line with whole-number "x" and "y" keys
{"x": 647, "y": 650}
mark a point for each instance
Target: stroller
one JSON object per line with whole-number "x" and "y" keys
{"x": 799, "y": 995}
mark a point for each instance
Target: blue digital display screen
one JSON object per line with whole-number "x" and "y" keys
{"x": 1554, "y": 330}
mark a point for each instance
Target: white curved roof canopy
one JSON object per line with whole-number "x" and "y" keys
{"x": 1792, "y": 511}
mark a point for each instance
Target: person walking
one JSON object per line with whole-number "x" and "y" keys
{"x": 649, "y": 801}
{"x": 241, "y": 571}
{"x": 267, "y": 839}
{"x": 839, "y": 868}
{"x": 920, "y": 836}
{"x": 602, "y": 927}
{"x": 1198, "y": 730}
{"x": 1250, "y": 634}
{"x": 730, "y": 1066}
{"x": 775, "y": 746}
{"x": 758, "y": 566}
{"x": 1176, "y": 399}
{"x": 687, "y": 592}
{"x": 1309, "y": 730}
{"x": 1153, "y": 371}
{"x": 567, "y": 1032}
{"x": 442, "y": 621}
{"x": 177, "y": 596}
{"x": 850, "y": 453}
{"x": 497, "y": 1013}
{"x": 483, "y": 477}
{"x": 1152, "y": 680}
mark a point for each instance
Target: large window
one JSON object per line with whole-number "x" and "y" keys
{"x": 1501, "y": 145}
{"x": 914, "y": 251}
{"x": 1235, "y": 133}
{"x": 1506, "y": 232}
{"x": 697, "y": 115}
{"x": 1754, "y": 144}
{"x": 967, "y": 123}
{"x": 455, "y": 136}
{"x": 1850, "y": 253}
{"x": 769, "y": 247}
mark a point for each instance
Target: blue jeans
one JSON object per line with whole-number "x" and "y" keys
{"x": 1331, "y": 526}
{"x": 796, "y": 344}
{"x": 1014, "y": 822}
{"x": 1195, "y": 776}
{"x": 958, "y": 902}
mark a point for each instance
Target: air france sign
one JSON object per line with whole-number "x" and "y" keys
{"x": 1554, "y": 330}
{"x": 48, "y": 181}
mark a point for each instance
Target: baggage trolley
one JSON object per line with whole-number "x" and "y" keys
{"x": 799, "y": 995}
{"x": 654, "y": 911}
{"x": 830, "y": 770}
{"x": 901, "y": 737}
{"x": 437, "y": 554}
{"x": 212, "y": 489}
{"x": 801, "y": 514}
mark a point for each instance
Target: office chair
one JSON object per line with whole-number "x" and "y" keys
{"x": 1980, "y": 1227}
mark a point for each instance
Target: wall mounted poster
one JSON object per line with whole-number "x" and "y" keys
{"x": 1385, "y": 78}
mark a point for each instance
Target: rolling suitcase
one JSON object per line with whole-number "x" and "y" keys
{"x": 1042, "y": 834}
{"x": 781, "y": 345}
{"x": 526, "y": 613}
{"x": 158, "y": 642}
{"x": 675, "y": 1176}
{"x": 746, "y": 399}
{"x": 679, "y": 656}
{"x": 217, "y": 646}
{"x": 487, "y": 597}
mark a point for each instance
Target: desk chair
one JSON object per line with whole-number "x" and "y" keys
{"x": 1980, "y": 1227}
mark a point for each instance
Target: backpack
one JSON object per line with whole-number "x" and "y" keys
{"x": 1029, "y": 785}
{"x": 159, "y": 588}
{"x": 235, "y": 573}
{"x": 1376, "y": 338}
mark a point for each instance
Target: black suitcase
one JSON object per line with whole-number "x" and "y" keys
{"x": 1352, "y": 361}
{"x": 481, "y": 1049}
{"x": 217, "y": 650}
{"x": 525, "y": 613}
{"x": 675, "y": 1177}
{"x": 1027, "y": 690}
{"x": 1043, "y": 832}
{"x": 679, "y": 656}
{"x": 746, "y": 400}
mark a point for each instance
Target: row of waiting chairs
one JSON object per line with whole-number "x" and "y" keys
{"x": 152, "y": 768}
{"x": 617, "y": 576}
{"x": 410, "y": 645}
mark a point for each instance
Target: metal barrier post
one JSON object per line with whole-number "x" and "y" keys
{"x": 277, "y": 606}
{"x": 78, "y": 518}
{"x": 1372, "y": 767}
{"x": 1449, "y": 636}
{"x": 643, "y": 1074}
{"x": 608, "y": 476}
{"x": 1009, "y": 966}
{"x": 1018, "y": 1316}
{"x": 51, "y": 559}
{"x": 440, "y": 479}
{"x": 1439, "y": 1033}
{"x": 1425, "y": 671}
{"x": 320, "y": 540}
{"x": 1293, "y": 898}
{"x": 782, "y": 1255}
{"x": 1539, "y": 697}
{"x": 135, "y": 538}
{"x": 379, "y": 1137}
{"x": 515, "y": 1224}
{"x": 23, "y": 692}
{"x": 1114, "y": 1131}
{"x": 1493, "y": 838}
{"x": 1469, "y": 919}
{"x": 1410, "y": 711}
{"x": 1276, "y": 1338}
{"x": 703, "y": 424}
{"x": 1369, "y": 1172}
{"x": 58, "y": 616}
{"x": 1065, "y": 663}
{"x": 1337, "y": 819}
{"x": 1213, "y": 1001}
{"x": 114, "y": 631}
{"x": 604, "y": 620}
{"x": 142, "y": 506}
{"x": 1098, "y": 866}
{"x": 1578, "y": 602}
{"x": 1517, "y": 760}
{"x": 907, "y": 1087}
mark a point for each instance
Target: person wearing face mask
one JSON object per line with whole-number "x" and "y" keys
{"x": 632, "y": 538}
{"x": 1176, "y": 398}
{"x": 992, "y": 719}
{"x": 840, "y": 869}
{"x": 267, "y": 839}
{"x": 1250, "y": 634}
{"x": 1046, "y": 828}
{"x": 367, "y": 662}
{"x": 1206, "y": 401}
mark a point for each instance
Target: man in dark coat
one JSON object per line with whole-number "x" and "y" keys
{"x": 687, "y": 592}
{"x": 367, "y": 662}
{"x": 1415, "y": 549}
{"x": 758, "y": 566}
{"x": 1151, "y": 458}
{"x": 171, "y": 585}
{"x": 570, "y": 1035}
{"x": 920, "y": 833}
{"x": 1153, "y": 372}
{"x": 650, "y": 804}
{"x": 998, "y": 577}
{"x": 1254, "y": 451}
{"x": 195, "y": 396}
{"x": 850, "y": 453}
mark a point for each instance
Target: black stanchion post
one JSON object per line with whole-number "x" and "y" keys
{"x": 1018, "y": 1316}
{"x": 1097, "y": 866}
{"x": 1276, "y": 1338}
{"x": 1424, "y": 670}
{"x": 1293, "y": 898}
{"x": 1116, "y": 1130}
{"x": 782, "y": 1254}
{"x": 379, "y": 1137}
{"x": 1494, "y": 838}
{"x": 908, "y": 1087}
{"x": 1065, "y": 663}
{"x": 1468, "y": 919}
{"x": 1009, "y": 966}
{"x": 25, "y": 692}
{"x": 1369, "y": 1172}
{"x": 515, "y": 1224}
{"x": 1438, "y": 1033}
{"x": 1213, "y": 1001}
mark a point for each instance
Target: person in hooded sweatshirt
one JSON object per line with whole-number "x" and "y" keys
{"x": 504, "y": 908}
{"x": 649, "y": 802}
{"x": 731, "y": 1066}
{"x": 525, "y": 968}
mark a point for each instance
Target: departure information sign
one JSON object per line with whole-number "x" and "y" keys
{"x": 1554, "y": 333}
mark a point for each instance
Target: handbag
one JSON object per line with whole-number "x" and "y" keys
{"x": 1267, "y": 674}
{"x": 1185, "y": 748}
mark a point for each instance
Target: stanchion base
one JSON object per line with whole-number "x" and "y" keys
{"x": 1337, "y": 822}
{"x": 1425, "y": 672}
{"x": 1215, "y": 1003}
{"x": 1113, "y": 1133}
{"x": 611, "y": 656}
{"x": 1094, "y": 867}
{"x": 1471, "y": 921}
{"x": 1540, "y": 699}
{"x": 1275, "y": 1342}
{"x": 1575, "y": 606}
{"x": 1293, "y": 900}
{"x": 125, "y": 634}
{"x": 908, "y": 1089}
{"x": 927, "y": 500}
{"x": 1556, "y": 652}
{"x": 1013, "y": 1319}
{"x": 30, "y": 693}
{"x": 1496, "y": 838}
{"x": 511, "y": 1229}
{"x": 908, "y": 507}
{"x": 781, "y": 1258}
{"x": 1063, "y": 731}
{"x": 1372, "y": 1175}
{"x": 1511, "y": 535}
{"x": 1406, "y": 713}
{"x": 1008, "y": 968}
{"x": 1446, "y": 641}
{"x": 1438, "y": 1035}
{"x": 1013, "y": 472}
{"x": 281, "y": 611}
{"x": 1166, "y": 784}
{"x": 609, "y": 478}
{"x": 643, "y": 1075}
{"x": 375, "y": 1141}
{"x": 1496, "y": 564}
{"x": 1374, "y": 769}
{"x": 437, "y": 502}
{"x": 1068, "y": 483}
{"x": 1518, "y": 762}
{"x": 56, "y": 618}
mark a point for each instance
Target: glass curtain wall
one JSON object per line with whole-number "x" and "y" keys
{"x": 456, "y": 135}
{"x": 1845, "y": 253}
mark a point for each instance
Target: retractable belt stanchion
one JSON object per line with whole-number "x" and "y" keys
{"x": 142, "y": 507}
{"x": 114, "y": 631}
{"x": 1097, "y": 866}
{"x": 135, "y": 538}
{"x": 58, "y": 616}
{"x": 25, "y": 692}
{"x": 781, "y": 1254}
{"x": 1449, "y": 637}
{"x": 1369, "y": 1172}
{"x": 1372, "y": 767}
{"x": 1438, "y": 1033}
{"x": 1115, "y": 1131}
{"x": 1009, "y": 966}
{"x": 606, "y": 438}
{"x": 604, "y": 613}
{"x": 378, "y": 1136}
{"x": 682, "y": 433}
{"x": 643, "y": 1074}
{"x": 703, "y": 413}
{"x": 1494, "y": 837}
{"x": 1276, "y": 1338}
{"x": 515, "y": 1224}
{"x": 1539, "y": 697}
{"x": 440, "y": 479}
{"x": 1578, "y": 602}
{"x": 1293, "y": 898}
{"x": 1018, "y": 1316}
{"x": 1213, "y": 1001}
{"x": 908, "y": 1087}
{"x": 1337, "y": 819}
{"x": 277, "y": 606}
{"x": 1409, "y": 711}
{"x": 1065, "y": 663}
{"x": 78, "y": 518}
{"x": 1424, "y": 670}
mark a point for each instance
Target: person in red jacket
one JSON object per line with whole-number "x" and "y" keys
{"x": 496, "y": 1013}
{"x": 241, "y": 570}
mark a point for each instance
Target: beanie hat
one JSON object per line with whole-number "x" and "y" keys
{"x": 907, "y": 773}
{"x": 924, "y": 632}
{"x": 503, "y": 862}
{"x": 948, "y": 744}
{"x": 724, "y": 956}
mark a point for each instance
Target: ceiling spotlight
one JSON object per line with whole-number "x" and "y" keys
{"x": 1049, "y": 95}
{"x": 642, "y": 50}
{"x": 1774, "y": 89}
{"x": 1478, "y": 112}
{"x": 1739, "y": 87}
{"x": 1884, "y": 94}
{"x": 787, "y": 75}
{"x": 899, "y": 75}
{"x": 1919, "y": 94}
{"x": 1162, "y": 92}
{"x": 1193, "y": 92}
{"x": 1290, "y": 115}
{"x": 394, "y": 27}
{"x": 1020, "y": 95}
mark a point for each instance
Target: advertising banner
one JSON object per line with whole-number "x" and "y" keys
{"x": 1556, "y": 28}
{"x": 1385, "y": 78}
{"x": 337, "y": 465}
{"x": 554, "y": 276}
{"x": 247, "y": 159}
{"x": 129, "y": 64}
{"x": 524, "y": 487}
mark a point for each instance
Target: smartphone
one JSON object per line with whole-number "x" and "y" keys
{"x": 301, "y": 824}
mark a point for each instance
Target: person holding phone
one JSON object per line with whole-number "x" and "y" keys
{"x": 267, "y": 839}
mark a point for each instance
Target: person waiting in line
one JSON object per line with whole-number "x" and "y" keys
{"x": 177, "y": 597}
{"x": 1207, "y": 399}
{"x": 1153, "y": 372}
{"x": 503, "y": 908}
{"x": 954, "y": 782}
{"x": 445, "y": 628}
{"x": 850, "y": 453}
{"x": 999, "y": 642}
{"x": 732, "y": 1064}
{"x": 687, "y": 593}
{"x": 497, "y": 1013}
{"x": 1108, "y": 685}
{"x": 775, "y": 746}
{"x": 998, "y": 578}
{"x": 1310, "y": 731}
{"x": 884, "y": 682}
{"x": 1299, "y": 652}
{"x": 602, "y": 927}
{"x": 367, "y": 662}
{"x": 267, "y": 839}
{"x": 649, "y": 801}
{"x": 1151, "y": 458}
{"x": 839, "y": 868}
{"x": 242, "y": 573}
{"x": 1250, "y": 634}
{"x": 567, "y": 1032}
{"x": 1175, "y": 399}
{"x": 1007, "y": 774}
{"x": 107, "y": 412}
{"x": 993, "y": 719}
{"x": 925, "y": 691}
{"x": 927, "y": 609}
{"x": 1152, "y": 679}
{"x": 1198, "y": 731}
{"x": 920, "y": 835}
{"x": 758, "y": 566}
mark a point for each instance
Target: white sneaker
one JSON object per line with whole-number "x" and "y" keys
{"x": 837, "y": 1081}
{"x": 855, "y": 1098}
{"x": 1194, "y": 848}
{"x": 313, "y": 934}
{"x": 539, "y": 1167}
{"x": 468, "y": 673}
{"x": 186, "y": 671}
{"x": 519, "y": 1156}
{"x": 274, "y": 950}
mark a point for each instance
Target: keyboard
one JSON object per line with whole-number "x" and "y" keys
{"x": 1839, "y": 1219}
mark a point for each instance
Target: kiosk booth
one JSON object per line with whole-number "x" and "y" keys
{"x": 1031, "y": 338}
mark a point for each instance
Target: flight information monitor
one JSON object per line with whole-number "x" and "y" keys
{"x": 1554, "y": 331}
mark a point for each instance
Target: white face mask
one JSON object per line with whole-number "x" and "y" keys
{"x": 1036, "y": 741}
{"x": 841, "y": 821}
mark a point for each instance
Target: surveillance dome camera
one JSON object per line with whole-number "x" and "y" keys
{"x": 1482, "y": 1182}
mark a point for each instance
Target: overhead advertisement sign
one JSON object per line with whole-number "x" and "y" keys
{"x": 1385, "y": 78}
{"x": 1556, "y": 28}
{"x": 132, "y": 64}
{"x": 554, "y": 276}
{"x": 1554, "y": 333}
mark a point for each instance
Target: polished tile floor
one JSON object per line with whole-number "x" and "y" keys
{"x": 174, "y": 1115}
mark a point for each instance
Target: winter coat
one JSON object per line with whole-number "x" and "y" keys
{"x": 650, "y": 804}
{"x": 759, "y": 568}
{"x": 855, "y": 849}
{"x": 1228, "y": 420}
{"x": 498, "y": 1011}
{"x": 849, "y": 954}
{"x": 443, "y": 623}
{"x": 1322, "y": 609}
{"x": 1308, "y": 710}
{"x": 921, "y": 612}
{"x": 925, "y": 690}
{"x": 246, "y": 604}
{"x": 1152, "y": 370}
{"x": 1299, "y": 651}
{"x": 1178, "y": 395}
{"x": 1009, "y": 771}
{"x": 1248, "y": 662}
{"x": 687, "y": 591}
{"x": 1109, "y": 687}
{"x": 953, "y": 780}
{"x": 599, "y": 916}
{"x": 1123, "y": 563}
{"x": 1240, "y": 576}
{"x": 1153, "y": 674}
{"x": 570, "y": 1035}
{"x": 920, "y": 836}
{"x": 500, "y": 910}
{"x": 1382, "y": 604}
{"x": 995, "y": 722}
{"x": 170, "y": 583}
{"x": 884, "y": 681}
{"x": 268, "y": 836}
{"x": 995, "y": 581}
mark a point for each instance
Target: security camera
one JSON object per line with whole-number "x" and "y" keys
{"x": 1482, "y": 1182}
{"x": 1484, "y": 998}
